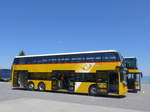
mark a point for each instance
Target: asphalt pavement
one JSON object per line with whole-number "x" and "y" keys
{"x": 23, "y": 100}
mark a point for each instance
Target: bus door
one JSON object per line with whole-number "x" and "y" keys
{"x": 108, "y": 82}
{"x": 113, "y": 82}
{"x": 131, "y": 81}
{"x": 55, "y": 81}
{"x": 63, "y": 80}
{"x": 71, "y": 82}
{"x": 67, "y": 81}
{"x": 22, "y": 77}
{"x": 138, "y": 81}
{"x": 102, "y": 82}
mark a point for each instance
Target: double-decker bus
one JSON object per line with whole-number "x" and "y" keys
{"x": 93, "y": 73}
{"x": 133, "y": 75}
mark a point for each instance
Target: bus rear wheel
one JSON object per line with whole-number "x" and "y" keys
{"x": 41, "y": 86}
{"x": 93, "y": 90}
{"x": 31, "y": 86}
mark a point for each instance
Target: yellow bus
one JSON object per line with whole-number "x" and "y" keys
{"x": 93, "y": 73}
{"x": 133, "y": 75}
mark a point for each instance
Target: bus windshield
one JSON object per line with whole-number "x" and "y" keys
{"x": 130, "y": 63}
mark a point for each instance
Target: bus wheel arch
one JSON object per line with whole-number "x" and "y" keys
{"x": 93, "y": 90}
{"x": 31, "y": 85}
{"x": 41, "y": 86}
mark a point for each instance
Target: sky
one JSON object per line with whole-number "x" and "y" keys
{"x": 58, "y": 26}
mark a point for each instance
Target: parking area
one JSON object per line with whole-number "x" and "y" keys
{"x": 21, "y": 100}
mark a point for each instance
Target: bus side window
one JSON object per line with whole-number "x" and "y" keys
{"x": 90, "y": 59}
{"x": 66, "y": 59}
{"x": 105, "y": 58}
{"x": 28, "y": 60}
{"x": 22, "y": 61}
{"x": 90, "y": 77}
{"x": 79, "y": 77}
{"x": 113, "y": 58}
{"x": 34, "y": 60}
{"x": 44, "y": 60}
{"x": 98, "y": 58}
{"x": 16, "y": 61}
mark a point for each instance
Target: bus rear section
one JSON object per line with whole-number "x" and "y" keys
{"x": 87, "y": 73}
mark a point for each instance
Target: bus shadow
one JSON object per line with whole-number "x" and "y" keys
{"x": 82, "y": 94}
{"x": 72, "y": 93}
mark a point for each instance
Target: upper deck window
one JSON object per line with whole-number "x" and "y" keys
{"x": 73, "y": 58}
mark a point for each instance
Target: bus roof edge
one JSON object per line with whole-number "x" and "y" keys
{"x": 100, "y": 51}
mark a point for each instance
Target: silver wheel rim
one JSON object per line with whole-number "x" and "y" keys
{"x": 41, "y": 87}
{"x": 93, "y": 90}
{"x": 31, "y": 86}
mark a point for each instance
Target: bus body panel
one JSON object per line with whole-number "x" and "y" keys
{"x": 82, "y": 87}
{"x": 77, "y": 67}
{"x": 122, "y": 89}
{"x": 133, "y": 70}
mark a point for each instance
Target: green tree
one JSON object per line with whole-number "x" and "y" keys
{"x": 22, "y": 53}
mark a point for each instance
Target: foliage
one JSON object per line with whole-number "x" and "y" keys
{"x": 22, "y": 53}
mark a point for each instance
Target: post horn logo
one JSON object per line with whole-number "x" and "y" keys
{"x": 87, "y": 67}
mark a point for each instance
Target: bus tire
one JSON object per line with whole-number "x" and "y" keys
{"x": 41, "y": 86}
{"x": 30, "y": 85}
{"x": 93, "y": 90}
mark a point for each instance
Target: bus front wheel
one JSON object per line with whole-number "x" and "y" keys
{"x": 93, "y": 90}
